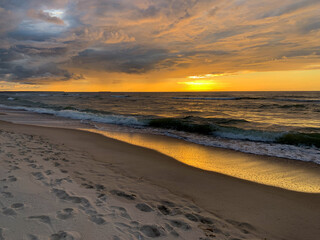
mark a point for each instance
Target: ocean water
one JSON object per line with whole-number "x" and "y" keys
{"x": 282, "y": 124}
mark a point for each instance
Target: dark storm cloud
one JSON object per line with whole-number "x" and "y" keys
{"x": 15, "y": 64}
{"x": 34, "y": 74}
{"x": 22, "y": 35}
{"x": 30, "y": 75}
{"x": 137, "y": 59}
{"x": 37, "y": 51}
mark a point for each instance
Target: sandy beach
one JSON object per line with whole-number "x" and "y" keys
{"x": 172, "y": 119}
{"x": 70, "y": 184}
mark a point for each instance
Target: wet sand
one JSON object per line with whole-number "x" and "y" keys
{"x": 289, "y": 174}
{"x": 62, "y": 182}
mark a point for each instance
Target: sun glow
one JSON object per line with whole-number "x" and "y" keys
{"x": 202, "y": 85}
{"x": 206, "y": 76}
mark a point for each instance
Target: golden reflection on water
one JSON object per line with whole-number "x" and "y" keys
{"x": 281, "y": 173}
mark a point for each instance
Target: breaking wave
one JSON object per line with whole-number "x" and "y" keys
{"x": 81, "y": 115}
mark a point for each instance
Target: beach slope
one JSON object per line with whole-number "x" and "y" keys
{"x": 68, "y": 183}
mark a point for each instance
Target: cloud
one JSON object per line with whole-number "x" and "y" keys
{"x": 36, "y": 75}
{"x": 137, "y": 59}
{"x": 45, "y": 39}
{"x": 15, "y": 65}
{"x": 7, "y": 20}
{"x": 290, "y": 7}
{"x": 45, "y": 16}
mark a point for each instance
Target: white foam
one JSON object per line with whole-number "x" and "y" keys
{"x": 307, "y": 154}
{"x": 114, "y": 119}
{"x": 252, "y": 135}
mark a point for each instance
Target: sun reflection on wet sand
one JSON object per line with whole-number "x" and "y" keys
{"x": 287, "y": 174}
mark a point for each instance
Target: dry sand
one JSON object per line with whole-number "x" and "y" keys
{"x": 69, "y": 184}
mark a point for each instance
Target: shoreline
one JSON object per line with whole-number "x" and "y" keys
{"x": 294, "y": 175}
{"x": 256, "y": 147}
{"x": 272, "y": 211}
{"x": 299, "y": 176}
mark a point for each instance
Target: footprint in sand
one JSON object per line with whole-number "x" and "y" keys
{"x": 191, "y": 217}
{"x": 38, "y": 175}
{"x": 13, "y": 168}
{"x": 60, "y": 180}
{"x": 65, "y": 213}
{"x": 151, "y": 231}
{"x": 35, "y": 166}
{"x": 204, "y": 220}
{"x": 63, "y": 195}
{"x": 62, "y": 235}
{"x": 29, "y": 160}
{"x": 9, "y": 212}
{"x": 7, "y": 194}
{"x": 97, "y": 219}
{"x": 42, "y": 218}
{"x": 164, "y": 210}
{"x": 121, "y": 211}
{"x": 12, "y": 179}
{"x": 88, "y": 186}
{"x": 144, "y": 207}
{"x": 102, "y": 197}
{"x": 180, "y": 224}
{"x": 123, "y": 194}
{"x": 48, "y": 172}
{"x": 100, "y": 187}
{"x": 171, "y": 230}
{"x": 32, "y": 237}
{"x": 84, "y": 205}
{"x": 17, "y": 205}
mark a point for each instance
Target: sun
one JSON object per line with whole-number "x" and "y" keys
{"x": 201, "y": 85}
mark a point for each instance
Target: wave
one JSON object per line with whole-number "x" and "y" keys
{"x": 285, "y": 106}
{"x": 293, "y": 106}
{"x": 251, "y": 98}
{"x": 235, "y": 133}
{"x": 208, "y": 98}
{"x": 214, "y": 127}
{"x": 251, "y": 135}
{"x": 309, "y": 154}
{"x": 176, "y": 124}
{"x": 79, "y": 115}
{"x": 307, "y": 139}
{"x": 120, "y": 96}
{"x": 297, "y": 100}
{"x": 227, "y": 121}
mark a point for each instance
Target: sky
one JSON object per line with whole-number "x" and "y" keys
{"x": 159, "y": 45}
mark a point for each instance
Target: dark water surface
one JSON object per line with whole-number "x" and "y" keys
{"x": 284, "y": 124}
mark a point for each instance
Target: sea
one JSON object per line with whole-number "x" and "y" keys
{"x": 279, "y": 124}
